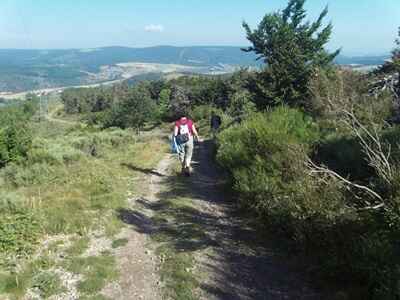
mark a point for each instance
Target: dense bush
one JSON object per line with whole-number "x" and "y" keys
{"x": 83, "y": 100}
{"x": 15, "y": 142}
{"x": 15, "y": 135}
{"x": 19, "y": 228}
{"x": 120, "y": 106}
{"x": 265, "y": 156}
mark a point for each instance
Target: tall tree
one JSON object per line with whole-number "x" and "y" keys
{"x": 163, "y": 103}
{"x": 293, "y": 49}
{"x": 133, "y": 110}
{"x": 179, "y": 102}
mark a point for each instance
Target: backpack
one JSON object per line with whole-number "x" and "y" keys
{"x": 184, "y": 134}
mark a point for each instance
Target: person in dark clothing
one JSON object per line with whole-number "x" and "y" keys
{"x": 215, "y": 123}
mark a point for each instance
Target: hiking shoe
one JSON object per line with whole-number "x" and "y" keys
{"x": 187, "y": 171}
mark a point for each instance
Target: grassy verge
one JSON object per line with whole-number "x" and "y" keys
{"x": 176, "y": 273}
{"x": 72, "y": 183}
{"x": 96, "y": 272}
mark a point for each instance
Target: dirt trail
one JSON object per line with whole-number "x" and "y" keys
{"x": 238, "y": 264}
{"x": 50, "y": 116}
{"x": 137, "y": 263}
{"x": 231, "y": 262}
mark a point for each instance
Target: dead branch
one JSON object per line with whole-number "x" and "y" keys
{"x": 372, "y": 147}
{"x": 379, "y": 206}
{"x": 315, "y": 169}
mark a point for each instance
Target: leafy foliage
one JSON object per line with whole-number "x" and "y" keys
{"x": 85, "y": 100}
{"x": 19, "y": 228}
{"x": 132, "y": 110}
{"x": 265, "y": 154}
{"x": 15, "y": 142}
{"x": 119, "y": 106}
{"x": 292, "y": 49}
{"x": 15, "y": 135}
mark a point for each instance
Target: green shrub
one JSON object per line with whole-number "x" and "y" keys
{"x": 19, "y": 175}
{"x": 93, "y": 143}
{"x": 15, "y": 142}
{"x": 201, "y": 112}
{"x": 53, "y": 152}
{"x": 265, "y": 154}
{"x": 241, "y": 104}
{"x": 19, "y": 227}
{"x": 344, "y": 155}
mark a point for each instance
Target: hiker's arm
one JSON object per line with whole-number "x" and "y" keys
{"x": 176, "y": 129}
{"x": 195, "y": 132}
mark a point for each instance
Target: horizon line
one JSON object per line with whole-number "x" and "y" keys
{"x": 343, "y": 53}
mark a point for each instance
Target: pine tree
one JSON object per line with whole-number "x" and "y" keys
{"x": 293, "y": 49}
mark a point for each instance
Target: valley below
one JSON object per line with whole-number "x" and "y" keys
{"x": 131, "y": 71}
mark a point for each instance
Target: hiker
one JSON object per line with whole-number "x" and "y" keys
{"x": 184, "y": 134}
{"x": 215, "y": 123}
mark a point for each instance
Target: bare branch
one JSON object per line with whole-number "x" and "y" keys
{"x": 379, "y": 206}
{"x": 372, "y": 147}
{"x": 315, "y": 169}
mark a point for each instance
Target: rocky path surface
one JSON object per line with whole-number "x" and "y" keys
{"x": 231, "y": 262}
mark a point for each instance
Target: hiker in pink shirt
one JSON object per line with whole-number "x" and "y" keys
{"x": 184, "y": 134}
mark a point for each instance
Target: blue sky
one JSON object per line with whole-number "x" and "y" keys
{"x": 360, "y": 26}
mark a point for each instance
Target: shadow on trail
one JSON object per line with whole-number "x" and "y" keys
{"x": 142, "y": 170}
{"x": 132, "y": 217}
{"x": 193, "y": 215}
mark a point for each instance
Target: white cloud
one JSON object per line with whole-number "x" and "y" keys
{"x": 154, "y": 28}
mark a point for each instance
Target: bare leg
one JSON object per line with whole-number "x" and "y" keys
{"x": 189, "y": 153}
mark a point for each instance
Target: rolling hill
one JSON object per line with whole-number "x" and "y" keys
{"x": 23, "y": 70}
